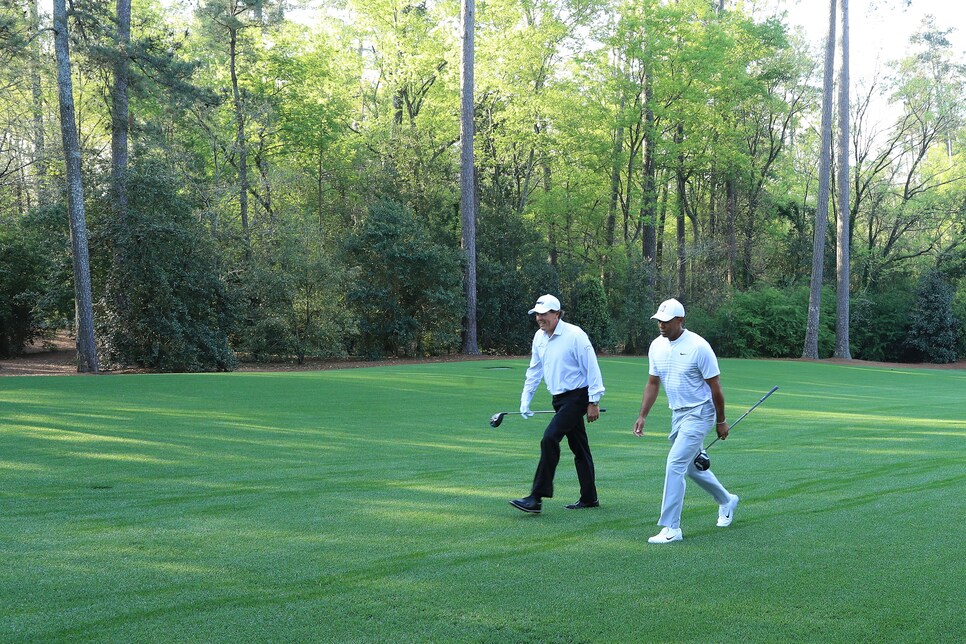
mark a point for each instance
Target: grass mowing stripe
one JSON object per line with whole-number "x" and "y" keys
{"x": 370, "y": 505}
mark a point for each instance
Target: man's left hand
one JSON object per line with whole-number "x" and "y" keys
{"x": 722, "y": 429}
{"x": 593, "y": 413}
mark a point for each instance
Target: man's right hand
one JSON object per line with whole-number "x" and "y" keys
{"x": 639, "y": 426}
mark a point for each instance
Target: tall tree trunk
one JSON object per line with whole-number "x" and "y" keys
{"x": 681, "y": 185}
{"x": 659, "y": 231}
{"x": 119, "y": 110}
{"x": 37, "y": 97}
{"x": 731, "y": 219}
{"x": 467, "y": 174}
{"x": 843, "y": 225}
{"x": 241, "y": 145}
{"x": 615, "y": 186}
{"x": 320, "y": 184}
{"x": 553, "y": 255}
{"x": 649, "y": 181}
{"x": 615, "y": 172}
{"x": 86, "y": 348}
{"x": 810, "y": 349}
{"x": 714, "y": 202}
{"x": 119, "y": 144}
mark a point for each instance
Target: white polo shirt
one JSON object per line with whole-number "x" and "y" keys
{"x": 565, "y": 360}
{"x": 683, "y": 367}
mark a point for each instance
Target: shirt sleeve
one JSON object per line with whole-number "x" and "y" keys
{"x": 651, "y": 360}
{"x": 534, "y": 374}
{"x": 587, "y": 359}
{"x": 707, "y": 362}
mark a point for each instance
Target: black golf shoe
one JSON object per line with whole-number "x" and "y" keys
{"x": 580, "y": 505}
{"x": 527, "y": 504}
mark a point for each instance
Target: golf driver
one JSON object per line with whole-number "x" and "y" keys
{"x": 702, "y": 461}
{"x": 496, "y": 419}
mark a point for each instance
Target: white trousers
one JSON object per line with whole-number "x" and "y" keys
{"x": 689, "y": 428}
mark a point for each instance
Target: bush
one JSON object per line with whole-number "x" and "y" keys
{"x": 934, "y": 330}
{"x": 879, "y": 325}
{"x": 294, "y": 299}
{"x": 764, "y": 323}
{"x": 505, "y": 293}
{"x": 21, "y": 283}
{"x": 588, "y": 309}
{"x": 631, "y": 301}
{"x": 163, "y": 305}
{"x": 512, "y": 272}
{"x": 408, "y": 296}
{"x": 47, "y": 228}
{"x": 959, "y": 310}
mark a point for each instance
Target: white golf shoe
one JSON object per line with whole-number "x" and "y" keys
{"x": 667, "y": 535}
{"x": 726, "y": 512}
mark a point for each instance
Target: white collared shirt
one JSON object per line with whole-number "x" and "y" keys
{"x": 565, "y": 360}
{"x": 683, "y": 366}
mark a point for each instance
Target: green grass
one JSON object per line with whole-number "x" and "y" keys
{"x": 371, "y": 505}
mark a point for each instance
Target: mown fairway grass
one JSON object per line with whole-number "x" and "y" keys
{"x": 371, "y": 505}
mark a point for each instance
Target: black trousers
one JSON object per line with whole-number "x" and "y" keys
{"x": 568, "y": 421}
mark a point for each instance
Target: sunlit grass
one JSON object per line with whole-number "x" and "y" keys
{"x": 370, "y": 505}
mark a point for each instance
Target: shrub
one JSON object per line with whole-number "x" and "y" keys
{"x": 879, "y": 325}
{"x": 408, "y": 294}
{"x": 959, "y": 310}
{"x": 21, "y": 282}
{"x": 632, "y": 301}
{"x": 588, "y": 309}
{"x": 294, "y": 299}
{"x": 505, "y": 292}
{"x": 512, "y": 272}
{"x": 764, "y": 323}
{"x": 163, "y": 304}
{"x": 934, "y": 330}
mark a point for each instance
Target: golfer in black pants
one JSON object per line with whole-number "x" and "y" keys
{"x": 563, "y": 356}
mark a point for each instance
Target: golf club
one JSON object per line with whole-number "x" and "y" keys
{"x": 702, "y": 461}
{"x": 496, "y": 419}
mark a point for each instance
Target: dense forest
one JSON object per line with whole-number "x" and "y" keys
{"x": 213, "y": 181}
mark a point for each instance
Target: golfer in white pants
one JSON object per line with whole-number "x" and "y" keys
{"x": 686, "y": 364}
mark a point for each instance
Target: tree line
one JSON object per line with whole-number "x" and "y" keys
{"x": 256, "y": 184}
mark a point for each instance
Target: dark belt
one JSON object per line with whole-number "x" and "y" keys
{"x": 569, "y": 394}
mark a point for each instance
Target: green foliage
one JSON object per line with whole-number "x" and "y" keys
{"x": 880, "y": 323}
{"x": 366, "y": 101}
{"x": 162, "y": 303}
{"x": 959, "y": 312}
{"x": 587, "y": 308}
{"x": 934, "y": 329}
{"x": 407, "y": 295}
{"x": 512, "y": 272}
{"x": 21, "y": 282}
{"x": 789, "y": 259}
{"x": 505, "y": 293}
{"x": 294, "y": 299}
{"x": 632, "y": 301}
{"x": 46, "y": 229}
{"x": 764, "y": 322}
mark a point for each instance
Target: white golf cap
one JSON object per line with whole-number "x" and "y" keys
{"x": 545, "y": 303}
{"x": 669, "y": 310}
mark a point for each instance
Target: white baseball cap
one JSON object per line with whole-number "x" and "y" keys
{"x": 669, "y": 310}
{"x": 545, "y": 303}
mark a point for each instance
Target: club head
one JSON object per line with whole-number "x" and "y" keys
{"x": 496, "y": 419}
{"x": 702, "y": 461}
